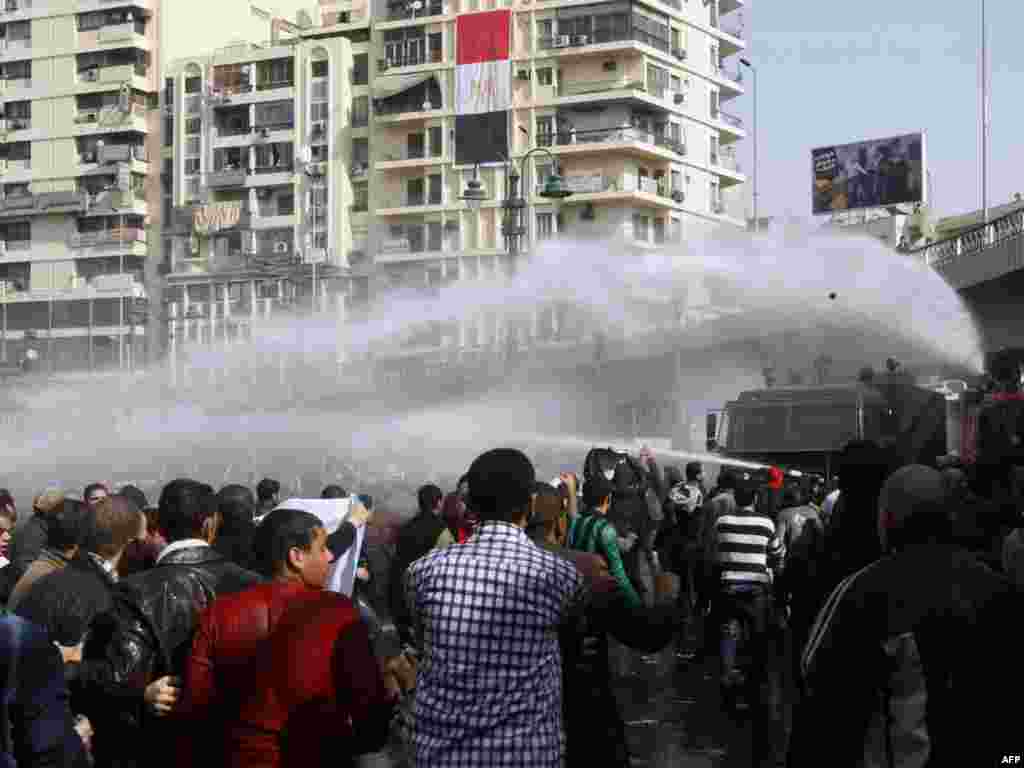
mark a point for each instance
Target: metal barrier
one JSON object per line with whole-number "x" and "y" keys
{"x": 973, "y": 240}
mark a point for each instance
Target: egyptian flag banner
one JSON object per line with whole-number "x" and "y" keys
{"x": 483, "y": 86}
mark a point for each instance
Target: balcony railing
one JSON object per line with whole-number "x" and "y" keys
{"x": 409, "y": 59}
{"x": 414, "y": 201}
{"x": 403, "y": 108}
{"x": 17, "y": 123}
{"x": 121, "y": 153}
{"x": 17, "y": 245}
{"x": 234, "y": 177}
{"x": 604, "y": 36}
{"x": 280, "y": 168}
{"x": 285, "y": 125}
{"x": 726, "y": 160}
{"x": 127, "y": 235}
{"x": 401, "y": 11}
{"x": 610, "y": 136}
{"x": 583, "y": 184}
{"x": 407, "y": 153}
{"x": 269, "y": 85}
{"x": 223, "y": 131}
{"x": 599, "y": 86}
{"x": 725, "y": 117}
{"x": 972, "y": 241}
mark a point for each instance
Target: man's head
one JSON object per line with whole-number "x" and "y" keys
{"x": 68, "y": 525}
{"x": 462, "y": 487}
{"x": 267, "y": 492}
{"x": 8, "y": 519}
{"x": 727, "y": 480}
{"x": 912, "y": 508}
{"x": 501, "y": 486}
{"x": 428, "y": 499}
{"x": 597, "y": 493}
{"x": 694, "y": 472}
{"x": 116, "y": 522}
{"x": 291, "y": 545}
{"x": 188, "y": 510}
{"x": 237, "y": 507}
{"x": 137, "y": 497}
{"x": 334, "y": 492}
{"x": 793, "y": 496}
{"x": 94, "y": 492}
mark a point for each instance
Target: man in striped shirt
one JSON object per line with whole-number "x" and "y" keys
{"x": 748, "y": 545}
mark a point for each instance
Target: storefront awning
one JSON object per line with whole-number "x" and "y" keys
{"x": 384, "y": 87}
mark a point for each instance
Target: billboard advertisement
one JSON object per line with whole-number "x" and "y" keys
{"x": 869, "y": 174}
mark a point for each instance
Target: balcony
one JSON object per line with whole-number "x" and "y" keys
{"x": 47, "y": 202}
{"x": 400, "y": 11}
{"x": 223, "y": 179}
{"x": 406, "y": 157}
{"x": 411, "y": 58}
{"x": 110, "y": 237}
{"x": 622, "y": 90}
{"x": 121, "y": 33}
{"x": 598, "y": 187}
{"x": 602, "y": 37}
{"x": 646, "y": 143}
{"x": 273, "y": 85}
{"x": 121, "y": 153}
{"x": 730, "y": 84}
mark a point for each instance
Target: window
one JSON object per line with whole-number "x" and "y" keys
{"x": 193, "y": 125}
{"x": 545, "y": 226}
{"x": 415, "y": 191}
{"x": 320, "y": 67}
{"x": 436, "y": 141}
{"x": 435, "y": 189}
{"x": 713, "y": 150}
{"x": 677, "y": 182}
{"x": 360, "y": 111}
{"x": 715, "y": 62}
{"x": 318, "y": 111}
{"x": 360, "y": 198}
{"x": 545, "y": 131}
{"x": 640, "y": 226}
{"x": 360, "y": 152}
{"x": 169, "y": 90}
{"x": 544, "y": 76}
{"x": 17, "y": 70}
{"x": 191, "y": 166}
{"x": 193, "y": 84}
{"x": 361, "y": 69}
{"x": 713, "y": 96}
{"x": 435, "y": 236}
{"x": 414, "y": 145}
{"x": 545, "y": 31}
{"x": 275, "y": 115}
{"x": 436, "y": 49}
{"x": 659, "y": 231}
{"x": 193, "y": 145}
{"x": 286, "y": 204}
{"x": 714, "y": 197}
{"x": 19, "y": 232}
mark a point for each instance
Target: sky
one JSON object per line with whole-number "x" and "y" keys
{"x": 828, "y": 73}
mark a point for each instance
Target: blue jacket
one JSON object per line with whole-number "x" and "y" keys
{"x": 37, "y": 729}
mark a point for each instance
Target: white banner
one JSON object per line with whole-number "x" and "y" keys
{"x": 332, "y": 513}
{"x": 483, "y": 87}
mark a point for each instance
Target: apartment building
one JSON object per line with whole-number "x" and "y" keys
{"x": 78, "y": 126}
{"x": 627, "y": 97}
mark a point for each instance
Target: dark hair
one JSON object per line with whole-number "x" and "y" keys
{"x": 727, "y": 480}
{"x": 267, "y": 489}
{"x": 237, "y": 507}
{"x": 92, "y": 488}
{"x": 547, "y": 490}
{"x": 275, "y": 536}
{"x": 693, "y": 471}
{"x": 462, "y": 480}
{"x": 115, "y": 522}
{"x": 500, "y": 484}
{"x": 792, "y": 495}
{"x": 185, "y": 506}
{"x": 137, "y": 497}
{"x": 595, "y": 491}
{"x": 672, "y": 476}
{"x": 333, "y": 492}
{"x": 745, "y": 495}
{"x": 427, "y": 497}
{"x": 7, "y": 501}
{"x": 68, "y": 525}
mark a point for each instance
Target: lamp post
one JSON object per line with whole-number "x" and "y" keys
{"x": 984, "y": 116}
{"x": 746, "y": 63}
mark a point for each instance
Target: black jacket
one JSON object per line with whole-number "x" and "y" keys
{"x": 929, "y": 631}
{"x": 36, "y": 730}
{"x": 415, "y": 539}
{"x": 26, "y": 544}
{"x": 158, "y": 611}
{"x": 73, "y": 603}
{"x": 235, "y": 543}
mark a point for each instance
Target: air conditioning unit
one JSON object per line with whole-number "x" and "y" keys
{"x": 679, "y": 53}
{"x": 680, "y": 98}
{"x": 678, "y": 196}
{"x": 319, "y": 127}
{"x": 562, "y": 41}
{"x": 88, "y": 157}
{"x": 280, "y": 247}
{"x": 523, "y": 74}
{"x": 91, "y": 75}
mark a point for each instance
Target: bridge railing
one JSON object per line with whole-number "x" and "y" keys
{"x": 974, "y": 240}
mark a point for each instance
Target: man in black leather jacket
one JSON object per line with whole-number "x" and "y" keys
{"x": 158, "y": 610}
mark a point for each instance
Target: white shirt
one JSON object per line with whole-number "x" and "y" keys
{"x": 830, "y": 501}
{"x": 174, "y": 546}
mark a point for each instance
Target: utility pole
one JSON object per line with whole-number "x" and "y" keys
{"x": 984, "y": 115}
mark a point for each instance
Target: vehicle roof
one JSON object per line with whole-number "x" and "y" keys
{"x": 849, "y": 393}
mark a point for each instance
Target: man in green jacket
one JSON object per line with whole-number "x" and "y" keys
{"x": 592, "y": 532}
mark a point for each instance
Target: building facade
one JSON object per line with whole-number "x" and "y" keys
{"x": 78, "y": 129}
{"x": 627, "y": 98}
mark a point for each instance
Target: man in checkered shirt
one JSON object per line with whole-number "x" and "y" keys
{"x": 487, "y": 614}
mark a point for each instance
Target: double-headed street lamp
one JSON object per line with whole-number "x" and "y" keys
{"x": 513, "y": 226}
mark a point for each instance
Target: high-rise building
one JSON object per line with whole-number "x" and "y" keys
{"x": 78, "y": 128}
{"x": 624, "y": 99}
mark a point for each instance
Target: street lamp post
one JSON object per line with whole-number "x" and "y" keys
{"x": 746, "y": 63}
{"x": 984, "y": 116}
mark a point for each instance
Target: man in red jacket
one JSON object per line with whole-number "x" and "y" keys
{"x": 291, "y": 549}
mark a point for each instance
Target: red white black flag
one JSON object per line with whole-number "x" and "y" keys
{"x": 483, "y": 86}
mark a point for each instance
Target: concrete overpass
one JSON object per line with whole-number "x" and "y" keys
{"x": 986, "y": 265}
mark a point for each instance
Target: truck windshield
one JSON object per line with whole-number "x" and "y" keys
{"x": 791, "y": 427}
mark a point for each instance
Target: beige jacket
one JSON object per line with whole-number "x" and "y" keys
{"x": 47, "y": 562}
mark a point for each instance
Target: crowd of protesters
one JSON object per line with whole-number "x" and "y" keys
{"x": 479, "y": 632}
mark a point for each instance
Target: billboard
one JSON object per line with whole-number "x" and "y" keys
{"x": 869, "y": 174}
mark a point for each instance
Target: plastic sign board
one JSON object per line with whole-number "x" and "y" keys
{"x": 869, "y": 174}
